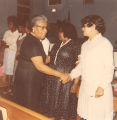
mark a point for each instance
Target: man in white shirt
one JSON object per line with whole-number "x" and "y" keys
{"x": 46, "y": 45}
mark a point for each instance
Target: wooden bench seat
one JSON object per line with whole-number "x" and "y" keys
{"x": 17, "y": 112}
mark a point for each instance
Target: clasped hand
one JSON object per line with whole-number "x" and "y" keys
{"x": 99, "y": 92}
{"x": 65, "y": 78}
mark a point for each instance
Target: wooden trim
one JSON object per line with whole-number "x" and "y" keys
{"x": 17, "y": 112}
{"x": 115, "y": 104}
{"x": 24, "y": 6}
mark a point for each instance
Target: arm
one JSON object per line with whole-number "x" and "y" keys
{"x": 75, "y": 85}
{"x": 108, "y": 70}
{"x": 39, "y": 64}
{"x": 78, "y": 60}
{"x": 10, "y": 39}
{"x": 47, "y": 59}
{"x": 76, "y": 72}
{"x": 108, "y": 67}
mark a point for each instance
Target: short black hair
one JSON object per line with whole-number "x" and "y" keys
{"x": 21, "y": 22}
{"x": 12, "y": 19}
{"x": 94, "y": 19}
{"x": 28, "y": 25}
{"x": 68, "y": 29}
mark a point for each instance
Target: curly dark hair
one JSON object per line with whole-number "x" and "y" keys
{"x": 68, "y": 30}
{"x": 12, "y": 19}
{"x": 94, "y": 19}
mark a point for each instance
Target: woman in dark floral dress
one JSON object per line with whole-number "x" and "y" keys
{"x": 62, "y": 58}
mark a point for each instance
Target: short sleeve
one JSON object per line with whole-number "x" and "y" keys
{"x": 31, "y": 47}
{"x": 35, "y": 50}
{"x": 5, "y": 35}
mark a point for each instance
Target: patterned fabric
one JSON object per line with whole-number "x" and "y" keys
{"x": 63, "y": 58}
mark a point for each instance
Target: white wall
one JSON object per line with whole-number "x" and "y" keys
{"x": 7, "y": 8}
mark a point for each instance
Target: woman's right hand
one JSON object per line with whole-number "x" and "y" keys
{"x": 78, "y": 60}
{"x": 4, "y": 45}
{"x": 74, "y": 88}
{"x": 65, "y": 78}
{"x": 47, "y": 59}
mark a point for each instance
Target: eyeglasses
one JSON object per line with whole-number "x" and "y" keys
{"x": 87, "y": 25}
{"x": 42, "y": 27}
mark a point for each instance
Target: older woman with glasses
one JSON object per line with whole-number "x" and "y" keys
{"x": 31, "y": 66}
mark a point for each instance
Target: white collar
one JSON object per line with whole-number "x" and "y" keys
{"x": 95, "y": 39}
{"x": 62, "y": 44}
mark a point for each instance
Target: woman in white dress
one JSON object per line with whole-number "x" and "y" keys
{"x": 96, "y": 69}
{"x": 10, "y": 38}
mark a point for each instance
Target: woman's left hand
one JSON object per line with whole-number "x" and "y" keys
{"x": 78, "y": 60}
{"x": 47, "y": 59}
{"x": 74, "y": 88}
{"x": 99, "y": 92}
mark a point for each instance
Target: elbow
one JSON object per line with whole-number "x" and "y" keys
{"x": 40, "y": 67}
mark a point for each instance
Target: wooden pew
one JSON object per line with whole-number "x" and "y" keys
{"x": 115, "y": 104}
{"x": 17, "y": 112}
{"x": 115, "y": 96}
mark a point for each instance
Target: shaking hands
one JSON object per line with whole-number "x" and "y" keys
{"x": 65, "y": 78}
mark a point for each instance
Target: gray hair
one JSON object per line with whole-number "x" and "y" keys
{"x": 38, "y": 18}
